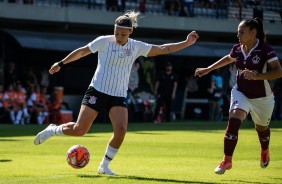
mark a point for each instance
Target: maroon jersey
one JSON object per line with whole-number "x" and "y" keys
{"x": 256, "y": 60}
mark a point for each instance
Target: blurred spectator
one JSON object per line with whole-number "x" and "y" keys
{"x": 168, "y": 5}
{"x": 121, "y": 5}
{"x": 10, "y": 75}
{"x": 232, "y": 78}
{"x": 4, "y": 112}
{"x": 142, "y": 6}
{"x": 133, "y": 83}
{"x": 214, "y": 96}
{"x": 222, "y": 10}
{"x": 134, "y": 105}
{"x": 189, "y": 5}
{"x": 165, "y": 90}
{"x": 134, "y": 77}
{"x": 218, "y": 79}
{"x": 146, "y": 74}
{"x": 44, "y": 80}
{"x": 30, "y": 80}
{"x": 41, "y": 107}
{"x": 21, "y": 100}
{"x": 192, "y": 85}
{"x": 31, "y": 102}
{"x": 15, "y": 112}
{"x": 175, "y": 7}
{"x": 219, "y": 83}
{"x": 277, "y": 91}
{"x": 112, "y": 5}
{"x": 55, "y": 105}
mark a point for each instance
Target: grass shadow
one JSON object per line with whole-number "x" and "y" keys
{"x": 243, "y": 181}
{"x": 148, "y": 179}
{"x": 5, "y": 160}
{"x": 8, "y": 140}
{"x": 197, "y": 126}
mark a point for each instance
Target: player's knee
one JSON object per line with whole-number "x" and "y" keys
{"x": 232, "y": 128}
{"x": 121, "y": 130}
{"x": 261, "y": 128}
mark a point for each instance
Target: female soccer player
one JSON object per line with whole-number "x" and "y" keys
{"x": 108, "y": 88}
{"x": 252, "y": 93}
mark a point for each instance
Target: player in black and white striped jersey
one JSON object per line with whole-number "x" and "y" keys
{"x": 108, "y": 87}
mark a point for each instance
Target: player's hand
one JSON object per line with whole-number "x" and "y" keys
{"x": 54, "y": 68}
{"x": 248, "y": 74}
{"x": 192, "y": 37}
{"x": 199, "y": 72}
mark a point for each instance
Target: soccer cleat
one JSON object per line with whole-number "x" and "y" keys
{"x": 44, "y": 134}
{"x": 226, "y": 164}
{"x": 105, "y": 170}
{"x": 264, "y": 158}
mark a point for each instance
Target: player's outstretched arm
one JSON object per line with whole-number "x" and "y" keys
{"x": 173, "y": 47}
{"x": 73, "y": 56}
{"x": 199, "y": 72}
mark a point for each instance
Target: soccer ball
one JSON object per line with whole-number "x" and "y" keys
{"x": 78, "y": 156}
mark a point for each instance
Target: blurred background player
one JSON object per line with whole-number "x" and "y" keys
{"x": 109, "y": 85}
{"x": 252, "y": 93}
{"x": 165, "y": 90}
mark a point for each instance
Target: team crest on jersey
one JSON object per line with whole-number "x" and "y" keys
{"x": 127, "y": 52}
{"x": 256, "y": 59}
{"x": 92, "y": 100}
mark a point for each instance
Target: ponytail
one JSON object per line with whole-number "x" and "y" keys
{"x": 257, "y": 24}
{"x": 260, "y": 31}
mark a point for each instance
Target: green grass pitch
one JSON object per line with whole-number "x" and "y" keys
{"x": 171, "y": 153}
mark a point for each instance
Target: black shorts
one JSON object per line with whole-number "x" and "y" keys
{"x": 101, "y": 101}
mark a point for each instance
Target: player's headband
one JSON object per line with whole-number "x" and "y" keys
{"x": 126, "y": 27}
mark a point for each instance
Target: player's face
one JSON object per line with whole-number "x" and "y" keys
{"x": 122, "y": 34}
{"x": 245, "y": 35}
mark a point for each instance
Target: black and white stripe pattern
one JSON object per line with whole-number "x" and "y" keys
{"x": 114, "y": 63}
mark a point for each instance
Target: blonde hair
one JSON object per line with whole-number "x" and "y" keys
{"x": 129, "y": 19}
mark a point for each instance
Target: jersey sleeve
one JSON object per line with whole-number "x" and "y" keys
{"x": 143, "y": 48}
{"x": 270, "y": 54}
{"x": 233, "y": 53}
{"x": 96, "y": 44}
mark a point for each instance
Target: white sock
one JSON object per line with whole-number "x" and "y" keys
{"x": 58, "y": 130}
{"x": 109, "y": 155}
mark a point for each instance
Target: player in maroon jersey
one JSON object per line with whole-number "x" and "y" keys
{"x": 252, "y": 93}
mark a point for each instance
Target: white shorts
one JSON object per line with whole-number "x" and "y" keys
{"x": 260, "y": 108}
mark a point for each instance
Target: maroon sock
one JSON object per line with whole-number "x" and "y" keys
{"x": 264, "y": 138}
{"x": 231, "y": 136}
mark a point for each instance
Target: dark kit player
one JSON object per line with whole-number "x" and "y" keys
{"x": 252, "y": 93}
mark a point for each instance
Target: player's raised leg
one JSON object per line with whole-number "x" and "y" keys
{"x": 118, "y": 116}
{"x": 84, "y": 122}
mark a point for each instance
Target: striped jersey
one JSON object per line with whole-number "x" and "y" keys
{"x": 256, "y": 60}
{"x": 114, "y": 63}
